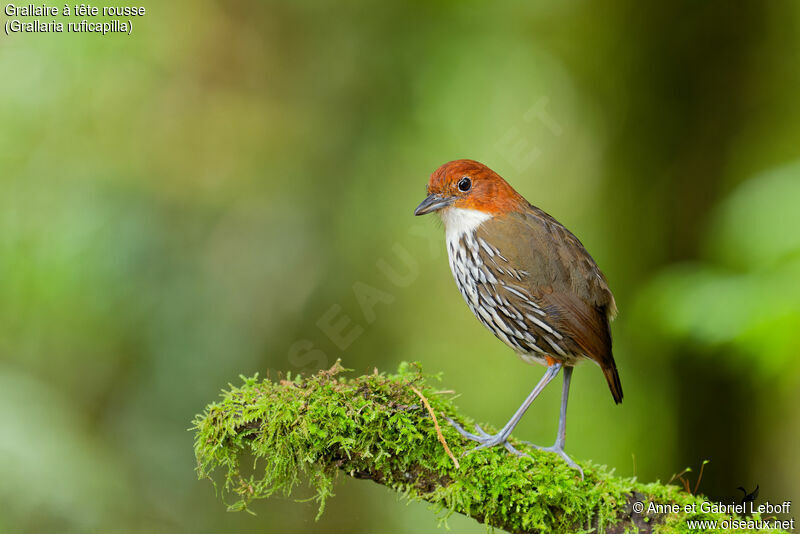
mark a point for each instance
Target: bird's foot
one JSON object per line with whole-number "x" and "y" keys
{"x": 559, "y": 450}
{"x": 485, "y": 440}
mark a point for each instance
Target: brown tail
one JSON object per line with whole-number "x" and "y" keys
{"x": 612, "y": 377}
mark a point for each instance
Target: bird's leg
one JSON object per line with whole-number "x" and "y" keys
{"x": 558, "y": 446}
{"x": 562, "y": 418}
{"x": 486, "y": 440}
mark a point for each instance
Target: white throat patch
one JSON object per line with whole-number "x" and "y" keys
{"x": 459, "y": 221}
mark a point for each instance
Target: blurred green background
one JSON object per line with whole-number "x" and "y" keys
{"x": 190, "y": 203}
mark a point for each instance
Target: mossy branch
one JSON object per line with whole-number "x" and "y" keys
{"x": 266, "y": 437}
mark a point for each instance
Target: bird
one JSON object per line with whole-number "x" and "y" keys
{"x": 528, "y": 280}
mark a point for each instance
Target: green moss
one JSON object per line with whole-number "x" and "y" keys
{"x": 266, "y": 437}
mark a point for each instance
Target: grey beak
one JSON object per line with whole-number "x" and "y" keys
{"x": 434, "y": 202}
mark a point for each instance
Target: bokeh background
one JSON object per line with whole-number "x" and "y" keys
{"x": 191, "y": 202}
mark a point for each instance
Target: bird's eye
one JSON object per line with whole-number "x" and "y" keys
{"x": 464, "y": 184}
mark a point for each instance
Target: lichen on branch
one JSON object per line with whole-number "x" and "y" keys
{"x": 266, "y": 437}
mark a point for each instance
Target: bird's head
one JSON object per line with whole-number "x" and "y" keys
{"x": 469, "y": 185}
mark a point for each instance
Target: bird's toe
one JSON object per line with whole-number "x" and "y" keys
{"x": 514, "y": 451}
{"x": 481, "y": 431}
{"x": 463, "y": 432}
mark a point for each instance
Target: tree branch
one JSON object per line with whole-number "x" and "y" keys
{"x": 376, "y": 427}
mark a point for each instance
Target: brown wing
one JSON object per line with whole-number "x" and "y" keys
{"x": 545, "y": 265}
